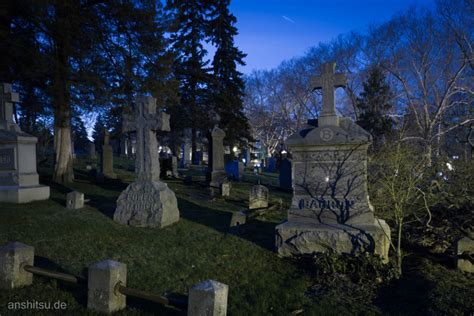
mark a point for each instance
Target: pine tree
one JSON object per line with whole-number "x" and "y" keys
{"x": 97, "y": 133}
{"x": 227, "y": 87}
{"x": 190, "y": 27}
{"x": 79, "y": 133}
{"x": 374, "y": 105}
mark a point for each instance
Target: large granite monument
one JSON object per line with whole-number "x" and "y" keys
{"x": 147, "y": 202}
{"x": 19, "y": 181}
{"x": 330, "y": 208}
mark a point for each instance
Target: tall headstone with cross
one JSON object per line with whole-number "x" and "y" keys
{"x": 19, "y": 181}
{"x": 330, "y": 206}
{"x": 147, "y": 202}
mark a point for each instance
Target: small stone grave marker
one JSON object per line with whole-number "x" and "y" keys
{"x": 258, "y": 197}
{"x": 75, "y": 200}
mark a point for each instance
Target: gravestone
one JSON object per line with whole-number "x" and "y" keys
{"x": 285, "y": 177}
{"x": 147, "y": 202}
{"x": 330, "y": 206}
{"x": 218, "y": 174}
{"x": 92, "y": 153}
{"x": 258, "y": 197}
{"x": 107, "y": 159}
{"x": 74, "y": 200}
{"x": 271, "y": 166}
{"x": 19, "y": 181}
{"x": 174, "y": 166}
{"x": 225, "y": 188}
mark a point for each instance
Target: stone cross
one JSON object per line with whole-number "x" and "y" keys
{"x": 145, "y": 121}
{"x": 7, "y": 98}
{"x": 327, "y": 82}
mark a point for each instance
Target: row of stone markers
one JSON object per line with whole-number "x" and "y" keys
{"x": 106, "y": 283}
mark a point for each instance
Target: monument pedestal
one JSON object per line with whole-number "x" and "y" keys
{"x": 147, "y": 204}
{"x": 296, "y": 238}
{"x": 19, "y": 181}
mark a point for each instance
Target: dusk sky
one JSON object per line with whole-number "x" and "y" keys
{"x": 271, "y": 31}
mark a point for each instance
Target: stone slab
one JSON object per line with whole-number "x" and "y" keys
{"x": 147, "y": 204}
{"x": 12, "y": 257}
{"x": 465, "y": 250}
{"x": 293, "y": 239}
{"x": 102, "y": 280}
{"x": 208, "y": 298}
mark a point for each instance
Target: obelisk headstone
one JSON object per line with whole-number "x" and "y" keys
{"x": 330, "y": 206}
{"x": 107, "y": 159}
{"x": 218, "y": 175}
{"x": 19, "y": 181}
{"x": 147, "y": 202}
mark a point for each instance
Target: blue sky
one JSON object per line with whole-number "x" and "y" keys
{"x": 271, "y": 31}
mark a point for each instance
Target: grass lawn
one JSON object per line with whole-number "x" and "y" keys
{"x": 199, "y": 247}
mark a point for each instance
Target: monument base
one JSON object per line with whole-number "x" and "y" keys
{"x": 147, "y": 204}
{"x": 17, "y": 194}
{"x": 294, "y": 239}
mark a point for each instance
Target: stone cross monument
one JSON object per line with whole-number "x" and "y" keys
{"x": 327, "y": 82}
{"x": 147, "y": 202}
{"x": 19, "y": 181}
{"x": 330, "y": 206}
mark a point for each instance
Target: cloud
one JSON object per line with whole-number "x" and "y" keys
{"x": 287, "y": 19}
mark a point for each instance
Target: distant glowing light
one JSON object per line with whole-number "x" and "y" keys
{"x": 235, "y": 149}
{"x": 455, "y": 157}
{"x": 244, "y": 160}
{"x": 450, "y": 166}
{"x": 283, "y": 152}
{"x": 326, "y": 179}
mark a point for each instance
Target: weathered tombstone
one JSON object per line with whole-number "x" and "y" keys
{"x": 102, "y": 294}
{"x": 218, "y": 174}
{"x": 285, "y": 175}
{"x": 19, "y": 181}
{"x": 271, "y": 166}
{"x": 107, "y": 159}
{"x": 258, "y": 197}
{"x": 232, "y": 170}
{"x": 237, "y": 223}
{"x": 147, "y": 201}
{"x": 12, "y": 257}
{"x": 464, "y": 253}
{"x": 225, "y": 188}
{"x": 92, "y": 153}
{"x": 330, "y": 206}
{"x": 174, "y": 166}
{"x": 75, "y": 200}
{"x": 208, "y": 298}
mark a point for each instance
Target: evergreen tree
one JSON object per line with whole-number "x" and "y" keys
{"x": 190, "y": 30}
{"x": 227, "y": 87}
{"x": 79, "y": 133}
{"x": 98, "y": 132}
{"x": 374, "y": 105}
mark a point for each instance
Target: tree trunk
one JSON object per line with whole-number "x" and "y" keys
{"x": 63, "y": 169}
{"x": 399, "y": 247}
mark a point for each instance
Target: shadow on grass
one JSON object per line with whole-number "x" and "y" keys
{"x": 413, "y": 289}
{"x": 214, "y": 219}
{"x": 259, "y": 232}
